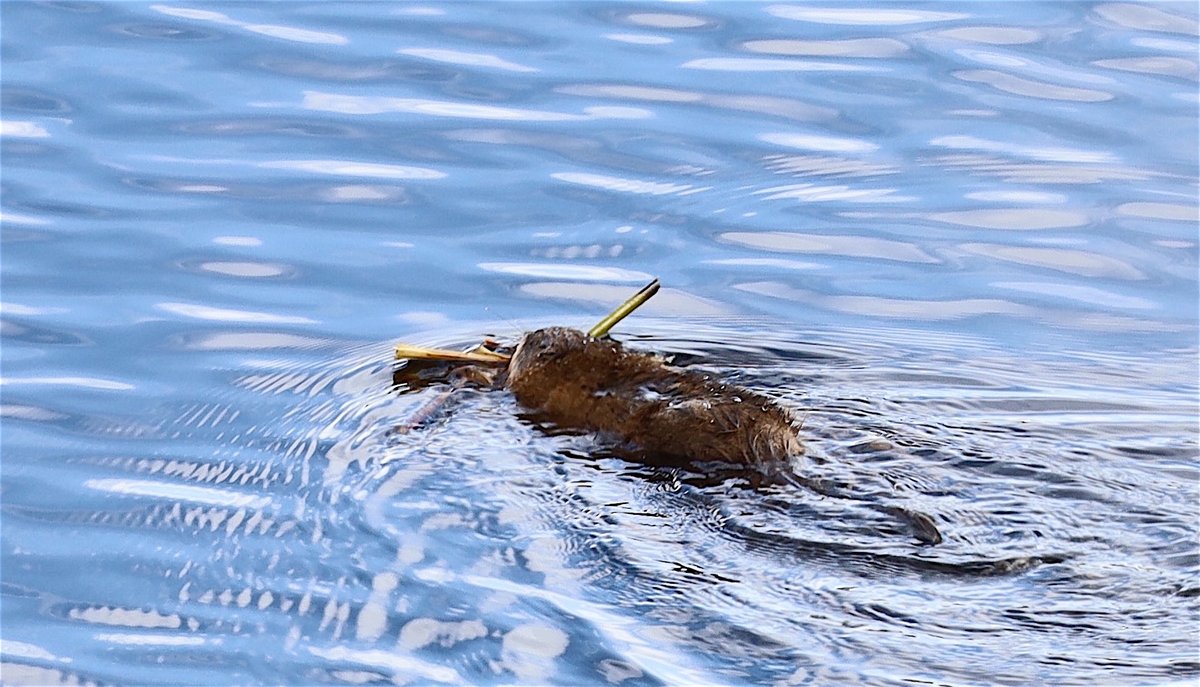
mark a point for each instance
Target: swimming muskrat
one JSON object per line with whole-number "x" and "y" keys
{"x": 590, "y": 382}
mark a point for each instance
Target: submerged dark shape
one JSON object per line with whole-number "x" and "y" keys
{"x": 596, "y": 384}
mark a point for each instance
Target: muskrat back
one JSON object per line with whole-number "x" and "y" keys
{"x": 596, "y": 384}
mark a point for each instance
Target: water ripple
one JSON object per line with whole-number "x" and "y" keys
{"x": 369, "y": 105}
{"x": 1016, "y": 85}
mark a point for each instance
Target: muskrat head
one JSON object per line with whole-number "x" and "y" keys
{"x": 554, "y": 357}
{"x": 543, "y": 352}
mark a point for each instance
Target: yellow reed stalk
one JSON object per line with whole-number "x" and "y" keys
{"x": 479, "y": 355}
{"x": 622, "y": 311}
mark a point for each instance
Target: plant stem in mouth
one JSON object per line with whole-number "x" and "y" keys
{"x": 479, "y": 355}
{"x": 622, "y": 311}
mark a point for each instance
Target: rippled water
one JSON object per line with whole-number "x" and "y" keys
{"x": 959, "y": 239}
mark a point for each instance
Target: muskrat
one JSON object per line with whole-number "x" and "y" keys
{"x": 587, "y": 381}
{"x": 596, "y": 384}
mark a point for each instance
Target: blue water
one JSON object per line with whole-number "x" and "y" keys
{"x": 959, "y": 239}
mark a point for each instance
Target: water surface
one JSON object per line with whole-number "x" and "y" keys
{"x": 959, "y": 239}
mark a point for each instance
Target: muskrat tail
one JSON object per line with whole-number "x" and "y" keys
{"x": 919, "y": 525}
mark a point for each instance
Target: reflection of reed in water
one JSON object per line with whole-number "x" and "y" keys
{"x": 590, "y": 382}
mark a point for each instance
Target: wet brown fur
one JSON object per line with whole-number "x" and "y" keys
{"x": 595, "y": 384}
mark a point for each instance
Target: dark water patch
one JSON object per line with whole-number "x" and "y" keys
{"x": 33, "y": 334}
{"x": 16, "y": 99}
{"x": 263, "y": 127}
{"x": 164, "y": 32}
{"x": 340, "y": 72}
